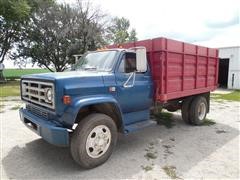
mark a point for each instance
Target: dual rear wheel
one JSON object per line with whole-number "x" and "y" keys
{"x": 194, "y": 110}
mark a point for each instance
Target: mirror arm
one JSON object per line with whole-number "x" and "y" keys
{"x": 125, "y": 85}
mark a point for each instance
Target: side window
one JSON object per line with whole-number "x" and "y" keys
{"x": 128, "y": 63}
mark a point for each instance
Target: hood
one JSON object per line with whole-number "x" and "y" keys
{"x": 73, "y": 82}
{"x": 65, "y": 75}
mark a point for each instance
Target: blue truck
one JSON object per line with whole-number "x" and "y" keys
{"x": 110, "y": 91}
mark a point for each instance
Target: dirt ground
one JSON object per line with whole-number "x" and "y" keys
{"x": 183, "y": 151}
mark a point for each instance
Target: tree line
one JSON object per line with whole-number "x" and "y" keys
{"x": 48, "y": 34}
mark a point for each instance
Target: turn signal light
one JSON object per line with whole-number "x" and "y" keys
{"x": 67, "y": 100}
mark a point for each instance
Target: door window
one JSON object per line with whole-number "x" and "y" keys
{"x": 128, "y": 63}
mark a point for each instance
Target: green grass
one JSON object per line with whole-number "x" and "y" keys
{"x": 164, "y": 118}
{"x": 1, "y": 107}
{"x": 171, "y": 172}
{"x": 150, "y": 152}
{"x": 11, "y": 88}
{"x": 150, "y": 155}
{"x": 17, "y": 73}
{"x": 16, "y": 107}
{"x": 147, "y": 168}
{"x": 208, "y": 122}
{"x": 234, "y": 96}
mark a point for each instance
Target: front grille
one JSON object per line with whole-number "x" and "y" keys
{"x": 35, "y": 91}
{"x": 37, "y": 111}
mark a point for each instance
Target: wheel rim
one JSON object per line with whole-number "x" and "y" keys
{"x": 98, "y": 141}
{"x": 201, "y": 111}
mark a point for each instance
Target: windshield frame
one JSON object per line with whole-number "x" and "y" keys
{"x": 115, "y": 60}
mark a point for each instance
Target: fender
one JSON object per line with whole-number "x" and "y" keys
{"x": 71, "y": 112}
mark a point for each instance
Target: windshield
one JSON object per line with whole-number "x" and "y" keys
{"x": 97, "y": 61}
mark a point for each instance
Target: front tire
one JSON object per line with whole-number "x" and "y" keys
{"x": 93, "y": 140}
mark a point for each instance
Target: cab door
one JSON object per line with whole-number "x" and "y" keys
{"x": 134, "y": 89}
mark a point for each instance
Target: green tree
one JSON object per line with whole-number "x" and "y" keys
{"x": 56, "y": 32}
{"x": 119, "y": 32}
{"x": 13, "y": 14}
{"x": 132, "y": 36}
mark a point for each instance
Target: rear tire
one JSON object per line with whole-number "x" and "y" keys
{"x": 198, "y": 110}
{"x": 185, "y": 110}
{"x": 93, "y": 140}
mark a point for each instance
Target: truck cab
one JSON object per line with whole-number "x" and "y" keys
{"x": 109, "y": 91}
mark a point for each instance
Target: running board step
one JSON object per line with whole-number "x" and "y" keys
{"x": 139, "y": 125}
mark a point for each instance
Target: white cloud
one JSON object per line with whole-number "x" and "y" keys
{"x": 187, "y": 20}
{"x": 227, "y": 38}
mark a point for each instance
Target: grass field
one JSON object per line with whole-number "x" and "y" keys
{"x": 17, "y": 73}
{"x": 11, "y": 88}
{"x": 234, "y": 96}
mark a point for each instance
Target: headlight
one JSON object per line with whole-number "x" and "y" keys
{"x": 49, "y": 94}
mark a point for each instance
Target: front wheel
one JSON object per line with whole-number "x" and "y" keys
{"x": 93, "y": 140}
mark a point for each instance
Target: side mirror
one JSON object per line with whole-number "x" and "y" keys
{"x": 141, "y": 56}
{"x": 77, "y": 57}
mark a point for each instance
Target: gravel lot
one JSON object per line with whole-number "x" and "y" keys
{"x": 156, "y": 152}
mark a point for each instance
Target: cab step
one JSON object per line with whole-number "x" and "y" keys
{"x": 139, "y": 125}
